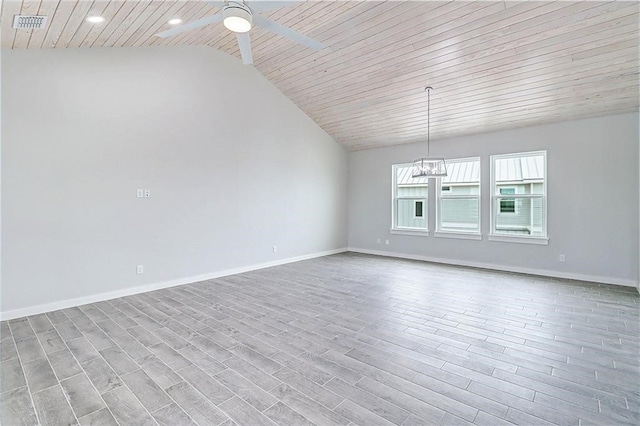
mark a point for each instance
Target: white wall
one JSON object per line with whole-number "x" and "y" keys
{"x": 592, "y": 200}
{"x": 233, "y": 166}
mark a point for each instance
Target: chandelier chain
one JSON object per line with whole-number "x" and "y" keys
{"x": 428, "y": 89}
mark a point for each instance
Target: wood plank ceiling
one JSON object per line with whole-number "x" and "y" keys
{"x": 494, "y": 64}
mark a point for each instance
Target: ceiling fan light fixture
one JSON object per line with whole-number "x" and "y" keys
{"x": 237, "y": 17}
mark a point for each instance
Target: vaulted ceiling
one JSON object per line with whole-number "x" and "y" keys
{"x": 493, "y": 65}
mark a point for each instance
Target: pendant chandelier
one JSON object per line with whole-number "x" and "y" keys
{"x": 429, "y": 166}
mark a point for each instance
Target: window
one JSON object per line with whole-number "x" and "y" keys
{"x": 519, "y": 202}
{"x": 418, "y": 213}
{"x": 458, "y": 208}
{"x": 410, "y": 196}
{"x": 507, "y": 205}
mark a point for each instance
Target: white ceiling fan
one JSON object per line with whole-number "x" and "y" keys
{"x": 238, "y": 17}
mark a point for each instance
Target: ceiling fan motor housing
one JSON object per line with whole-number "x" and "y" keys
{"x": 237, "y": 17}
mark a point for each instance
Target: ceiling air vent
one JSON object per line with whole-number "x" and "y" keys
{"x": 29, "y": 22}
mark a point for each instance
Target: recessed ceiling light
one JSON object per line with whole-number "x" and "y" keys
{"x": 95, "y": 19}
{"x": 175, "y": 21}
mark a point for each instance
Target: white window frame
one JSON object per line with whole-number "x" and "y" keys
{"x": 402, "y": 230}
{"x": 496, "y": 197}
{"x": 467, "y": 235}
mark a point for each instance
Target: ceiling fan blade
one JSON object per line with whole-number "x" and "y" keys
{"x": 267, "y": 5}
{"x": 217, "y": 4}
{"x": 244, "y": 42}
{"x": 286, "y": 32}
{"x": 191, "y": 26}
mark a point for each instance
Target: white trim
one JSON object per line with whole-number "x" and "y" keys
{"x": 458, "y": 235}
{"x": 494, "y": 210}
{"x": 68, "y": 303}
{"x": 394, "y": 192}
{"x": 416, "y": 233}
{"x": 506, "y": 238}
{"x": 463, "y": 160}
{"x": 522, "y": 154}
{"x": 523, "y": 196}
{"x": 505, "y": 268}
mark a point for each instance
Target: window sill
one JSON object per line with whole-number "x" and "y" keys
{"x": 458, "y": 235}
{"x": 412, "y": 232}
{"x": 519, "y": 239}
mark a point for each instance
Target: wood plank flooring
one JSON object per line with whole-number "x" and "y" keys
{"x": 340, "y": 340}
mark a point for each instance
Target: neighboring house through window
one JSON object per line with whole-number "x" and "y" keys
{"x": 458, "y": 207}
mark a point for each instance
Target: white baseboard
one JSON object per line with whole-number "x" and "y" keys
{"x": 68, "y": 303}
{"x": 506, "y": 268}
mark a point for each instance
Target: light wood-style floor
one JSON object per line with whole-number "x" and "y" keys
{"x": 344, "y": 339}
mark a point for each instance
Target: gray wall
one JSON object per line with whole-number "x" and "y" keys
{"x": 233, "y": 166}
{"x": 592, "y": 200}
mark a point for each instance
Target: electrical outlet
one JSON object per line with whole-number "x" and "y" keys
{"x": 140, "y": 269}
{"x": 379, "y": 241}
{"x": 147, "y": 193}
{"x": 275, "y": 249}
{"x": 140, "y": 193}
{"x": 386, "y": 242}
{"x": 562, "y": 258}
